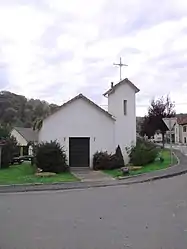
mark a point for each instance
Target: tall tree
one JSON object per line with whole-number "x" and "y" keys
{"x": 153, "y": 121}
{"x": 146, "y": 127}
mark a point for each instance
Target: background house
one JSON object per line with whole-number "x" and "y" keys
{"x": 24, "y": 136}
{"x": 181, "y": 129}
{"x": 157, "y": 137}
{"x": 83, "y": 128}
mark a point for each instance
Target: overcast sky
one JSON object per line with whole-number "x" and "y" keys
{"x": 55, "y": 49}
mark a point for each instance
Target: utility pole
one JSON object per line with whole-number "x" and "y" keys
{"x": 120, "y": 65}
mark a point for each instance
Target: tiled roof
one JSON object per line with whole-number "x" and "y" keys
{"x": 28, "y": 133}
{"x": 182, "y": 119}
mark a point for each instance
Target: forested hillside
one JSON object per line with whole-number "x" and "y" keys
{"x": 17, "y": 110}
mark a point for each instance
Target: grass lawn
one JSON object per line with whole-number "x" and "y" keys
{"x": 147, "y": 168}
{"x": 24, "y": 173}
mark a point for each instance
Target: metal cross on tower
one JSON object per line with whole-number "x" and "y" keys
{"x": 120, "y": 64}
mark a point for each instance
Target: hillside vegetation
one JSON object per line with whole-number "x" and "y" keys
{"x": 17, "y": 110}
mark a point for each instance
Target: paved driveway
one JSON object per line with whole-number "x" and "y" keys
{"x": 87, "y": 175}
{"x": 142, "y": 216}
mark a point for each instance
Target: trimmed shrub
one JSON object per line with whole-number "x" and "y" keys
{"x": 143, "y": 153}
{"x": 104, "y": 160}
{"x": 119, "y": 158}
{"x": 101, "y": 160}
{"x": 50, "y": 157}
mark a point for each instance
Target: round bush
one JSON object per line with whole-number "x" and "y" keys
{"x": 143, "y": 153}
{"x": 50, "y": 157}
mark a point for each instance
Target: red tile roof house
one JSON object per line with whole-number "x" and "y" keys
{"x": 180, "y": 129}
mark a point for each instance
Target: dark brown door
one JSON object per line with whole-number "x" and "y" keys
{"x": 79, "y": 151}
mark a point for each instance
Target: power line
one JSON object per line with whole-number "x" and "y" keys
{"x": 147, "y": 105}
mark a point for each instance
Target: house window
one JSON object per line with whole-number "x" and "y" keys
{"x": 125, "y": 107}
{"x": 184, "y": 128}
{"x": 185, "y": 140}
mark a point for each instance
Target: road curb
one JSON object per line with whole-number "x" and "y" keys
{"x": 56, "y": 187}
{"x": 85, "y": 185}
{"x": 159, "y": 170}
{"x": 160, "y": 177}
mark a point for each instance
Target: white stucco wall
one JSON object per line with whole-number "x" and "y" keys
{"x": 183, "y": 133}
{"x": 125, "y": 125}
{"x": 180, "y": 134}
{"x": 80, "y": 119}
{"x": 177, "y": 133}
{"x": 20, "y": 140}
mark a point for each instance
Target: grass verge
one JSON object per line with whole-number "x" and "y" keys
{"x": 147, "y": 168}
{"x": 24, "y": 173}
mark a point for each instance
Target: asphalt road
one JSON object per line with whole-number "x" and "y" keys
{"x": 141, "y": 216}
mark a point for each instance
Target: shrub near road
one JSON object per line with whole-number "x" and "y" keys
{"x": 106, "y": 161}
{"x": 143, "y": 153}
{"x": 147, "y": 157}
{"x": 50, "y": 157}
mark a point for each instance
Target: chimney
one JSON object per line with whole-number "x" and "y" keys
{"x": 112, "y": 84}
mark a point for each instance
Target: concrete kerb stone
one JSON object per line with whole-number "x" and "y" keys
{"x": 160, "y": 170}
{"x": 158, "y": 177}
{"x": 84, "y": 185}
